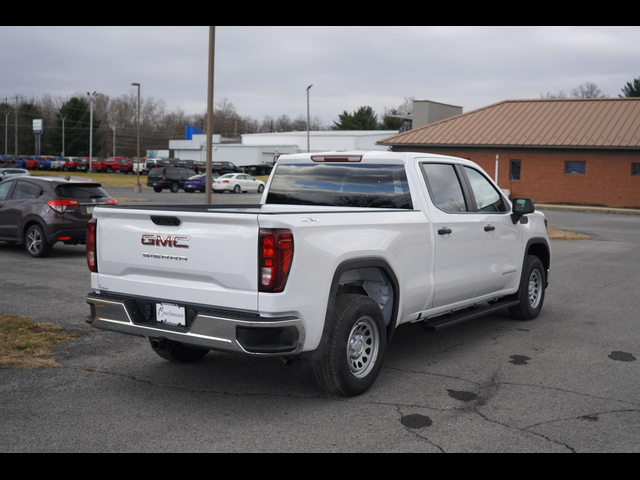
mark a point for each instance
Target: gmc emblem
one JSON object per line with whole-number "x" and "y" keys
{"x": 165, "y": 241}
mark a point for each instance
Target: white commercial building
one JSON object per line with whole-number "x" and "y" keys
{"x": 259, "y": 149}
{"x": 322, "y": 141}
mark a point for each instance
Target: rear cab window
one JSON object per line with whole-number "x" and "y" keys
{"x": 341, "y": 185}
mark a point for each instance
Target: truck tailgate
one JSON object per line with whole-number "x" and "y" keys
{"x": 206, "y": 258}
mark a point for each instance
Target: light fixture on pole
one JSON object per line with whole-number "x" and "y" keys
{"x": 92, "y": 97}
{"x": 138, "y": 187}
{"x": 308, "y": 121}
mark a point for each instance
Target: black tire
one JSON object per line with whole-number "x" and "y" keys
{"x": 109, "y": 170}
{"x": 157, "y": 189}
{"x": 349, "y": 374}
{"x": 237, "y": 189}
{"x": 175, "y": 187}
{"x": 180, "y": 353}
{"x": 35, "y": 241}
{"x": 261, "y": 189}
{"x": 532, "y": 290}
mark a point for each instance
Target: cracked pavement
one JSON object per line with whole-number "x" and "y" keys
{"x": 566, "y": 382}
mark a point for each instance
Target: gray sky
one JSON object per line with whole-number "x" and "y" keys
{"x": 265, "y": 70}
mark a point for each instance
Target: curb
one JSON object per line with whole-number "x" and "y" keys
{"x": 577, "y": 208}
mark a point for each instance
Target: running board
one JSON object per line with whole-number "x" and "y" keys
{"x": 462, "y": 316}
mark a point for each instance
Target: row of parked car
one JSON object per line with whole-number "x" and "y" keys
{"x": 176, "y": 179}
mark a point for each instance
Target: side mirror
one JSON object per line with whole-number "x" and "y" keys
{"x": 522, "y": 207}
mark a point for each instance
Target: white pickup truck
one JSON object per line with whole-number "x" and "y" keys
{"x": 342, "y": 249}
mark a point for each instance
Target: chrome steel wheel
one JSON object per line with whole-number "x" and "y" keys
{"x": 34, "y": 241}
{"x": 362, "y": 350}
{"x": 535, "y": 286}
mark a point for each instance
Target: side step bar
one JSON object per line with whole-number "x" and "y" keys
{"x": 445, "y": 321}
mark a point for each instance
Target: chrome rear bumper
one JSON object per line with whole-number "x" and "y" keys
{"x": 215, "y": 330}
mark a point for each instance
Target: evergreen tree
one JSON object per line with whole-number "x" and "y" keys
{"x": 76, "y": 130}
{"x": 362, "y": 119}
{"x": 631, "y": 89}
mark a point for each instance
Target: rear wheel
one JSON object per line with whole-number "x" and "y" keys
{"x": 178, "y": 353}
{"x": 353, "y": 357}
{"x": 532, "y": 290}
{"x": 237, "y": 189}
{"x": 36, "y": 242}
{"x": 157, "y": 189}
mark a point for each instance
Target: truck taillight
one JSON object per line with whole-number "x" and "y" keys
{"x": 61, "y": 205}
{"x": 276, "y": 257}
{"x": 92, "y": 252}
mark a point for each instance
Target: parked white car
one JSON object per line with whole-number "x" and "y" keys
{"x": 342, "y": 249}
{"x": 238, "y": 183}
{"x": 13, "y": 172}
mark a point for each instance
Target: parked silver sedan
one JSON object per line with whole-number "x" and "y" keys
{"x": 13, "y": 172}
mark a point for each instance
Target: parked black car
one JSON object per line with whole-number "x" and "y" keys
{"x": 38, "y": 212}
{"x": 171, "y": 178}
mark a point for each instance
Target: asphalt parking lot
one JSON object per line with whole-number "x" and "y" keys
{"x": 566, "y": 382}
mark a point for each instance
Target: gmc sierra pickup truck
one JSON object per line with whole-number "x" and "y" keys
{"x": 342, "y": 249}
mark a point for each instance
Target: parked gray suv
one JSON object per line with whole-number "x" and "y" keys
{"x": 38, "y": 212}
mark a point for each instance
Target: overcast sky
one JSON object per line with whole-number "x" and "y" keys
{"x": 265, "y": 70}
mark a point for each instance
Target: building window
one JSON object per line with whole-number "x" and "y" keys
{"x": 635, "y": 169}
{"x": 516, "y": 169}
{"x": 575, "y": 168}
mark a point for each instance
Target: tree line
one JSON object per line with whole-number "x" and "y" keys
{"x": 117, "y": 116}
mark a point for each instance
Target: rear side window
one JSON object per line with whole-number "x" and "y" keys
{"x": 81, "y": 192}
{"x": 341, "y": 185}
{"x": 445, "y": 188}
{"x": 5, "y": 188}
{"x": 25, "y": 191}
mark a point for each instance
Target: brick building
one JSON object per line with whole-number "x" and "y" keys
{"x": 573, "y": 151}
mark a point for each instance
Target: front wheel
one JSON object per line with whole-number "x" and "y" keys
{"x": 353, "y": 357}
{"x": 261, "y": 189}
{"x": 175, "y": 187}
{"x": 532, "y": 290}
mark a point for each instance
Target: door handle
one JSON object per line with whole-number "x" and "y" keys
{"x": 445, "y": 231}
{"x": 489, "y": 228}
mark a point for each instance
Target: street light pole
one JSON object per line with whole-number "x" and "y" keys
{"x": 308, "y": 121}
{"x": 209, "y": 177}
{"x": 138, "y": 187}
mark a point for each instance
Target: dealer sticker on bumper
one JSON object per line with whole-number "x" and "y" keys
{"x": 171, "y": 314}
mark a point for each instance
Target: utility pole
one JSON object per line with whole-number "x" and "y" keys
{"x": 209, "y": 177}
{"x": 114, "y": 126}
{"x": 64, "y": 117}
{"x": 308, "y": 120}
{"x": 138, "y": 187}
{"x": 6, "y": 131}
{"x": 16, "y": 152}
{"x": 92, "y": 97}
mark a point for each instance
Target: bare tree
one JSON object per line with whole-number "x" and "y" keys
{"x": 588, "y": 90}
